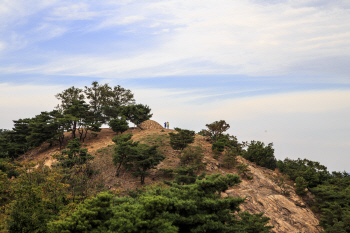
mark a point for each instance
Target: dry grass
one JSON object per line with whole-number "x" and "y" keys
{"x": 102, "y": 148}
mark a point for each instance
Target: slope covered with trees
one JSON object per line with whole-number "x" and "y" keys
{"x": 173, "y": 191}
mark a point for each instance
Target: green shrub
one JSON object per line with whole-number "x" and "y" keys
{"x": 260, "y": 154}
{"x": 300, "y": 186}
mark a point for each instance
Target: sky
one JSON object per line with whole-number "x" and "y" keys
{"x": 276, "y": 71}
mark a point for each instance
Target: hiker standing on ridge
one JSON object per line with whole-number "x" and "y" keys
{"x": 167, "y": 124}
{"x": 164, "y": 124}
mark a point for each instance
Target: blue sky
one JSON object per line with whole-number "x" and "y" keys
{"x": 276, "y": 71}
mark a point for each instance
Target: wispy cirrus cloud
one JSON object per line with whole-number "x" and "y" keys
{"x": 72, "y": 12}
{"x": 199, "y": 37}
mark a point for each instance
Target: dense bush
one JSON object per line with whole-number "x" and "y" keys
{"x": 260, "y": 154}
{"x": 181, "y": 139}
{"x": 119, "y": 125}
{"x": 196, "y": 207}
{"x": 313, "y": 172}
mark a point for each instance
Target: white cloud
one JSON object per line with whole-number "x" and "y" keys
{"x": 206, "y": 37}
{"x": 47, "y": 31}
{"x": 69, "y": 11}
{"x": 15, "y": 11}
{"x": 2, "y": 46}
{"x": 118, "y": 21}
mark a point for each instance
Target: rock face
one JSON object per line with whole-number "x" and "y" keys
{"x": 149, "y": 124}
{"x": 287, "y": 213}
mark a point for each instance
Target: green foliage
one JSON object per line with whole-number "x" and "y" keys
{"x": 203, "y": 132}
{"x": 300, "y": 185}
{"x": 253, "y": 223}
{"x": 39, "y": 196}
{"x": 230, "y": 157}
{"x": 193, "y": 156}
{"x": 197, "y": 207}
{"x": 74, "y": 115}
{"x": 9, "y": 168}
{"x": 91, "y": 216}
{"x": 187, "y": 175}
{"x": 136, "y": 113}
{"x": 138, "y": 158}
{"x": 124, "y": 148}
{"x": 313, "y": 172}
{"x": 244, "y": 170}
{"x": 73, "y": 155}
{"x": 219, "y": 145}
{"x": 260, "y": 154}
{"x": 180, "y": 140}
{"x": 41, "y": 130}
{"x": 146, "y": 158}
{"x": 68, "y": 96}
{"x": 216, "y": 129}
{"x": 117, "y": 98}
{"x": 119, "y": 125}
{"x": 7, "y": 171}
{"x": 14, "y": 142}
{"x": 104, "y": 101}
{"x": 147, "y": 213}
{"x": 135, "y": 193}
{"x": 75, "y": 162}
{"x": 81, "y": 119}
{"x": 166, "y": 172}
{"x": 332, "y": 198}
{"x": 98, "y": 96}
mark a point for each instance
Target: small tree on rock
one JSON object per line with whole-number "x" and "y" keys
{"x": 243, "y": 170}
{"x": 216, "y": 129}
{"x": 300, "y": 186}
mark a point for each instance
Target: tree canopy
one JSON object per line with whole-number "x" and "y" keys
{"x": 260, "y": 154}
{"x": 180, "y": 140}
{"x": 196, "y": 207}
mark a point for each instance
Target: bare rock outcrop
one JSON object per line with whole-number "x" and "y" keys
{"x": 287, "y": 213}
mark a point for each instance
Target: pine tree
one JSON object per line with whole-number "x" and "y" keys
{"x": 136, "y": 113}
{"x": 230, "y": 158}
{"x": 119, "y": 125}
{"x": 124, "y": 150}
{"x": 196, "y": 207}
{"x": 146, "y": 158}
{"x": 180, "y": 140}
{"x": 216, "y": 129}
{"x": 300, "y": 186}
{"x": 193, "y": 156}
{"x": 260, "y": 154}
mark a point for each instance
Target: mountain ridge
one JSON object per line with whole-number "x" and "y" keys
{"x": 287, "y": 213}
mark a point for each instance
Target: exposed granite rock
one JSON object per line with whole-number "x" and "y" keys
{"x": 287, "y": 213}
